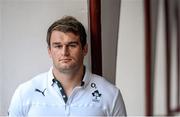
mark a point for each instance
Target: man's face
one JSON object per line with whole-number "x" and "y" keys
{"x": 66, "y": 51}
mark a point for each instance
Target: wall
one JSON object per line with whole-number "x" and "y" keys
{"x": 130, "y": 70}
{"x": 130, "y": 77}
{"x": 110, "y": 11}
{"x": 0, "y": 58}
{"x": 160, "y": 75}
{"x": 24, "y": 26}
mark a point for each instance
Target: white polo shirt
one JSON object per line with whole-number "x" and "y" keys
{"x": 42, "y": 97}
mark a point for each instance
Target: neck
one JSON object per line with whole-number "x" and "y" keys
{"x": 71, "y": 80}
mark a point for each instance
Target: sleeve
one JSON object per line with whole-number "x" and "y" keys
{"x": 15, "y": 108}
{"x": 118, "y": 108}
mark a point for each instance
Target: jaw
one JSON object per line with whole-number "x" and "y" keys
{"x": 67, "y": 68}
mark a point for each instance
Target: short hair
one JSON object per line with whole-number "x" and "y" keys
{"x": 68, "y": 24}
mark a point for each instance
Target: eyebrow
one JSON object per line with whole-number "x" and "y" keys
{"x": 71, "y": 42}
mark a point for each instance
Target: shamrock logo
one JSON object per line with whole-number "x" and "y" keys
{"x": 96, "y": 96}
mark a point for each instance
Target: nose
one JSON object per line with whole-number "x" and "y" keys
{"x": 65, "y": 51}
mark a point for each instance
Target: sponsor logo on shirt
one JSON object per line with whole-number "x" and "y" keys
{"x": 42, "y": 92}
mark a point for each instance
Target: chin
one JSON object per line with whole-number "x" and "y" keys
{"x": 65, "y": 69}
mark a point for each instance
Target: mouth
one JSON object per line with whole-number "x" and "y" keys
{"x": 65, "y": 60}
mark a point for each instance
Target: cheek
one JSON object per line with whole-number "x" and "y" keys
{"x": 76, "y": 55}
{"x": 54, "y": 54}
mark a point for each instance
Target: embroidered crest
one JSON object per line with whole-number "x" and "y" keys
{"x": 96, "y": 96}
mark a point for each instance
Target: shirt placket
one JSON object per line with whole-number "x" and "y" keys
{"x": 61, "y": 90}
{"x": 67, "y": 100}
{"x": 64, "y": 96}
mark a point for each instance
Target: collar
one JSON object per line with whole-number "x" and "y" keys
{"x": 85, "y": 81}
{"x": 86, "y": 78}
{"x": 50, "y": 77}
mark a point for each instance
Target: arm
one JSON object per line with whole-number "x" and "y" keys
{"x": 118, "y": 108}
{"x": 15, "y": 108}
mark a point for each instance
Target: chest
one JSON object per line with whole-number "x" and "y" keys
{"x": 82, "y": 102}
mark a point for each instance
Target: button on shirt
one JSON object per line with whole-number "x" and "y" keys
{"x": 42, "y": 97}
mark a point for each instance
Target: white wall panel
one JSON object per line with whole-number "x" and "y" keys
{"x": 130, "y": 77}
{"x": 24, "y": 26}
{"x": 0, "y": 57}
{"x": 160, "y": 66}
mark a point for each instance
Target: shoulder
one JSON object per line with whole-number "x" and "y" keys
{"x": 23, "y": 95}
{"x": 108, "y": 89}
{"x": 36, "y": 82}
{"x": 103, "y": 83}
{"x": 111, "y": 95}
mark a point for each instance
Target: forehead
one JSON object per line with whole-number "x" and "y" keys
{"x": 58, "y": 36}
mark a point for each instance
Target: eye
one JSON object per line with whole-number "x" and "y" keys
{"x": 58, "y": 46}
{"x": 72, "y": 45}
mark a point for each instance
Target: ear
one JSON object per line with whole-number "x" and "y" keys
{"x": 85, "y": 50}
{"x": 49, "y": 51}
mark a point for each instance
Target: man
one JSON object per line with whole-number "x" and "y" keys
{"x": 68, "y": 89}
